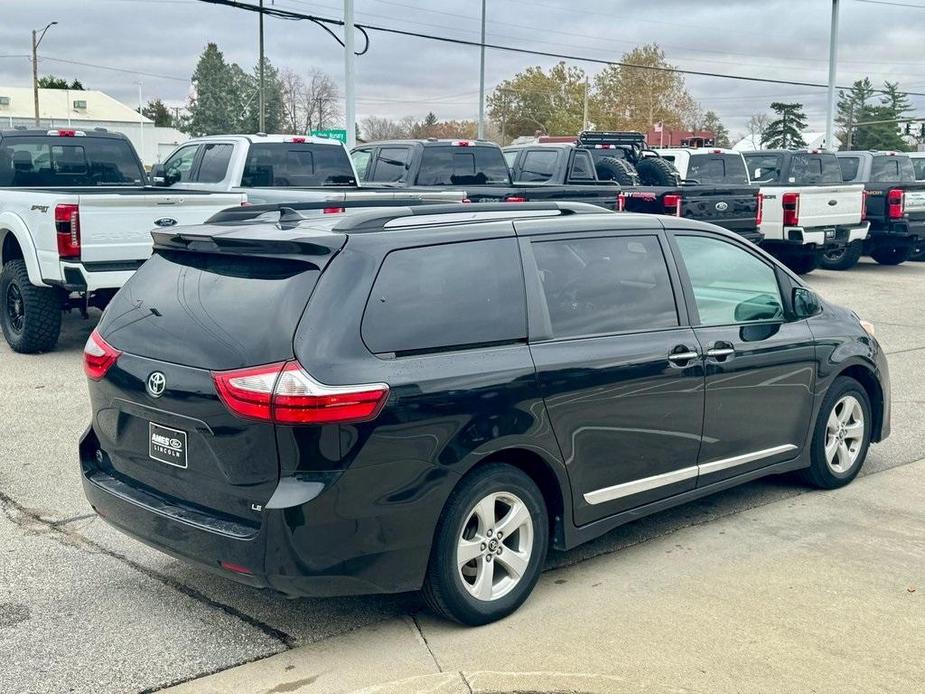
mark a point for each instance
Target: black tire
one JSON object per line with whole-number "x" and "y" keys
{"x": 918, "y": 251}
{"x": 892, "y": 255}
{"x": 616, "y": 169}
{"x": 843, "y": 258}
{"x": 655, "y": 171}
{"x": 820, "y": 473}
{"x": 803, "y": 263}
{"x": 30, "y": 316}
{"x": 443, "y": 589}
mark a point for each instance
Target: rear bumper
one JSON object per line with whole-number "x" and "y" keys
{"x": 899, "y": 230}
{"x": 91, "y": 277}
{"x": 303, "y": 545}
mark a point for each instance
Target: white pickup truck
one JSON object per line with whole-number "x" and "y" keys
{"x": 75, "y": 222}
{"x": 272, "y": 169}
{"x": 810, "y": 216}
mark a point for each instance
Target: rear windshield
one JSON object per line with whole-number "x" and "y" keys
{"x": 849, "y": 167}
{"x": 46, "y": 161}
{"x": 889, "y": 169}
{"x": 210, "y": 311}
{"x": 814, "y": 170}
{"x": 291, "y": 164}
{"x": 717, "y": 168}
{"x": 450, "y": 166}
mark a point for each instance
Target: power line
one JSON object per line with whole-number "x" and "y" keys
{"x": 893, "y": 4}
{"x": 114, "y": 69}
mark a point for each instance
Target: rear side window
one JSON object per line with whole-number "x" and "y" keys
{"x": 538, "y": 166}
{"x": 918, "y": 165}
{"x": 717, "y": 168}
{"x": 291, "y": 164}
{"x": 815, "y": 169}
{"x": 450, "y": 166}
{"x": 391, "y": 165}
{"x": 67, "y": 161}
{"x": 763, "y": 168}
{"x": 214, "y": 163}
{"x": 888, "y": 169}
{"x": 605, "y": 285}
{"x": 447, "y": 296}
{"x": 361, "y": 159}
{"x": 582, "y": 168}
{"x": 849, "y": 167}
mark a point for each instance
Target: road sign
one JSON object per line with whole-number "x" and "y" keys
{"x": 331, "y": 134}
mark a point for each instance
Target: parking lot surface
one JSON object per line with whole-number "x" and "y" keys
{"x": 767, "y": 587}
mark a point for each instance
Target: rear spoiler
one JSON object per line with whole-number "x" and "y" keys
{"x": 289, "y": 211}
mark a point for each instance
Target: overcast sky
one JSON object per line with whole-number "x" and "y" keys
{"x": 402, "y": 76}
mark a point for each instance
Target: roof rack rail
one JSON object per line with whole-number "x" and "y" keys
{"x": 289, "y": 211}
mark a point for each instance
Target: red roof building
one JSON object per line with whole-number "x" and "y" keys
{"x": 679, "y": 138}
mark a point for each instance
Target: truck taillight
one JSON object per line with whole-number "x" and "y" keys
{"x": 672, "y": 204}
{"x": 99, "y": 356}
{"x": 864, "y": 205}
{"x": 791, "y": 206}
{"x": 333, "y": 210}
{"x": 896, "y": 203}
{"x": 66, "y": 133}
{"x": 284, "y": 393}
{"x": 515, "y": 198}
{"x": 621, "y": 202}
{"x": 759, "y": 212}
{"x": 461, "y": 143}
{"x": 296, "y": 140}
{"x": 67, "y": 226}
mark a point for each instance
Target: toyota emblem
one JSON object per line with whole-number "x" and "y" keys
{"x": 156, "y": 384}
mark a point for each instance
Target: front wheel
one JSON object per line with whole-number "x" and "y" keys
{"x": 892, "y": 255}
{"x": 841, "y": 436}
{"x": 489, "y": 548}
{"x": 842, "y": 258}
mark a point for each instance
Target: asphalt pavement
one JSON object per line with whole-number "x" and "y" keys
{"x": 767, "y": 587}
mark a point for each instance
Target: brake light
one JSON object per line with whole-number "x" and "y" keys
{"x": 604, "y": 147}
{"x": 333, "y": 210}
{"x": 672, "y": 204}
{"x": 515, "y": 198}
{"x": 896, "y": 203}
{"x": 461, "y": 143}
{"x": 621, "y": 202}
{"x": 791, "y": 206}
{"x": 285, "y": 393}
{"x": 864, "y": 195}
{"x": 67, "y": 226}
{"x": 66, "y": 133}
{"x": 99, "y": 356}
{"x": 297, "y": 140}
{"x": 717, "y": 151}
{"x": 759, "y": 212}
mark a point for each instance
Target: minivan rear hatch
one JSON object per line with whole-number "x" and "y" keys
{"x": 210, "y": 299}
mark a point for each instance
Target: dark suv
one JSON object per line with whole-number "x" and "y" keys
{"x": 432, "y": 396}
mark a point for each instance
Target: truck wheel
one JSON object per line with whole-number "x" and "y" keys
{"x": 616, "y": 169}
{"x": 489, "y": 548}
{"x": 802, "y": 264}
{"x": 30, "y": 316}
{"x": 891, "y": 255}
{"x": 654, "y": 171}
{"x": 918, "y": 252}
{"x": 842, "y": 258}
{"x": 841, "y": 436}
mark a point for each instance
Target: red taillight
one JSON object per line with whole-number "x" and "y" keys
{"x": 284, "y": 393}
{"x": 863, "y": 205}
{"x": 333, "y": 210}
{"x": 515, "y": 198}
{"x": 67, "y": 224}
{"x": 896, "y": 203}
{"x": 759, "y": 212}
{"x": 99, "y": 356}
{"x": 672, "y": 204}
{"x": 621, "y": 202}
{"x": 791, "y": 206}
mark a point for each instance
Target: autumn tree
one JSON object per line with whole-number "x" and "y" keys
{"x": 550, "y": 102}
{"x": 785, "y": 131}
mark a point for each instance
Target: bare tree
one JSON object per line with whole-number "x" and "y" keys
{"x": 376, "y": 128}
{"x": 310, "y": 102}
{"x": 757, "y": 124}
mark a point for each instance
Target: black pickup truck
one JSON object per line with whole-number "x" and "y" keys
{"x": 476, "y": 166}
{"x": 724, "y": 198}
{"x": 895, "y": 204}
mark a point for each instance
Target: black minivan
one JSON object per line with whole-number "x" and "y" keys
{"x": 430, "y": 397}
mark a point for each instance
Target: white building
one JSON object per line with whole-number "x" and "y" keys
{"x": 813, "y": 140}
{"x": 87, "y": 109}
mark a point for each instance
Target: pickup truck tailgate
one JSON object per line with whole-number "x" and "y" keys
{"x": 116, "y": 227}
{"x": 915, "y": 204}
{"x": 829, "y": 206}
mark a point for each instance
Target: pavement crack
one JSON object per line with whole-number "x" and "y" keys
{"x": 420, "y": 632}
{"x": 465, "y": 682}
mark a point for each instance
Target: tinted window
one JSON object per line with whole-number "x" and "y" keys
{"x": 717, "y": 168}
{"x": 391, "y": 164}
{"x": 538, "y": 165}
{"x": 446, "y": 166}
{"x": 730, "y": 284}
{"x": 605, "y": 285}
{"x": 68, "y": 161}
{"x": 891, "y": 168}
{"x": 361, "y": 159}
{"x": 763, "y": 167}
{"x": 510, "y": 156}
{"x": 814, "y": 170}
{"x": 288, "y": 164}
{"x": 179, "y": 167}
{"x": 918, "y": 165}
{"x": 582, "y": 168}
{"x": 214, "y": 163}
{"x": 849, "y": 167}
{"x": 452, "y": 295}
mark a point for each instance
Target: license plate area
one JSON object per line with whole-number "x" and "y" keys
{"x": 167, "y": 445}
{"x": 830, "y": 233}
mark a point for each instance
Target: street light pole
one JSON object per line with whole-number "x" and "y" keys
{"x": 833, "y": 59}
{"x": 35, "y": 67}
{"x": 481, "y": 132}
{"x": 350, "y": 107}
{"x": 261, "y": 118}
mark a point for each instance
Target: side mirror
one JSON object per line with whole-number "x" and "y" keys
{"x": 805, "y": 303}
{"x": 157, "y": 175}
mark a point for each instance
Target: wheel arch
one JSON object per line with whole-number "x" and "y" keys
{"x": 868, "y": 380}
{"x": 16, "y": 243}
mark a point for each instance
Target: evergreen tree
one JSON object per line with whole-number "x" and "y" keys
{"x": 852, "y": 105}
{"x": 429, "y": 124}
{"x": 274, "y": 101}
{"x": 53, "y": 82}
{"x": 785, "y": 132}
{"x": 216, "y": 107}
{"x": 158, "y": 111}
{"x": 712, "y": 123}
{"x": 878, "y": 135}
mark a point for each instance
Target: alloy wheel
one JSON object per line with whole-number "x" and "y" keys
{"x": 15, "y": 308}
{"x": 844, "y": 434}
{"x": 495, "y": 546}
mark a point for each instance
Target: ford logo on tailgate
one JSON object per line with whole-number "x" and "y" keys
{"x": 165, "y": 222}
{"x": 722, "y": 206}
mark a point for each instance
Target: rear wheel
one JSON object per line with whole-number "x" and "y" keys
{"x": 489, "y": 548}
{"x": 803, "y": 263}
{"x": 30, "y": 316}
{"x": 842, "y": 258}
{"x": 891, "y": 255}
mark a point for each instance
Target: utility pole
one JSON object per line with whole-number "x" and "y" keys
{"x": 481, "y": 132}
{"x": 833, "y": 59}
{"x": 141, "y": 127}
{"x": 350, "y": 107}
{"x": 35, "y": 67}
{"x": 584, "y": 112}
{"x": 261, "y": 119}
